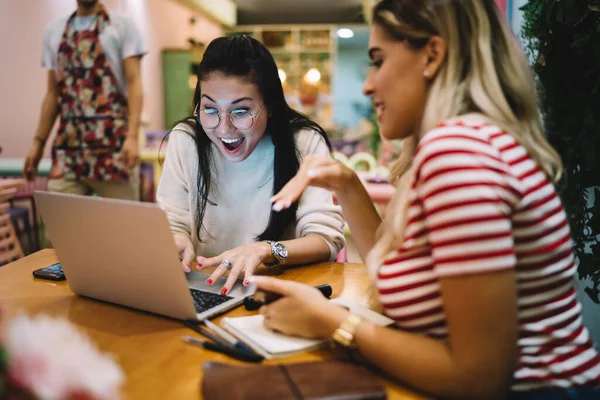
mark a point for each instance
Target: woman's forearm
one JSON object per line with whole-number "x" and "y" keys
{"x": 304, "y": 250}
{"x": 361, "y": 215}
{"x": 419, "y": 361}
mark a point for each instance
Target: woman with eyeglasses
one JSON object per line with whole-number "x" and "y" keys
{"x": 223, "y": 165}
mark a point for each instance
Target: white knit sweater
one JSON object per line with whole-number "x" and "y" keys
{"x": 242, "y": 193}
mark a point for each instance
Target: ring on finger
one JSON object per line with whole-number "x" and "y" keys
{"x": 226, "y": 264}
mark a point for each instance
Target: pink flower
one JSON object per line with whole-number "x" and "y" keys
{"x": 53, "y": 360}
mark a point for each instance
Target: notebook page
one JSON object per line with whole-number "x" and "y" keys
{"x": 269, "y": 344}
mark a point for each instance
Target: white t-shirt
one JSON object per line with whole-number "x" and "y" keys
{"x": 241, "y": 194}
{"x": 120, "y": 39}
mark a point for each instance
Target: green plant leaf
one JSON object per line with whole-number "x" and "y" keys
{"x": 562, "y": 38}
{"x": 593, "y": 294}
{"x": 594, "y": 222}
{"x": 594, "y": 5}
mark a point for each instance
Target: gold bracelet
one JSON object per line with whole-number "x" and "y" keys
{"x": 344, "y": 335}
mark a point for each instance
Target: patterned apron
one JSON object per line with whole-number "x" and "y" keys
{"x": 93, "y": 111}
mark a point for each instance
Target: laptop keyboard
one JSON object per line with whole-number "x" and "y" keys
{"x": 205, "y": 300}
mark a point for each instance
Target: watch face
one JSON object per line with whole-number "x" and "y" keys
{"x": 280, "y": 250}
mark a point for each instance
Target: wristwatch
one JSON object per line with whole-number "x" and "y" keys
{"x": 344, "y": 335}
{"x": 279, "y": 252}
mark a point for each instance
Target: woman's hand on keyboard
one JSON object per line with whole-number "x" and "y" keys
{"x": 185, "y": 249}
{"x": 241, "y": 259}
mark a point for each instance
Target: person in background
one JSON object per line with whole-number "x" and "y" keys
{"x": 95, "y": 87}
{"x": 474, "y": 259}
{"x": 224, "y": 163}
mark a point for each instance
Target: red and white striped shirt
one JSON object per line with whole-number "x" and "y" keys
{"x": 480, "y": 203}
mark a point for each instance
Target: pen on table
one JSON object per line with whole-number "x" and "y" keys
{"x": 226, "y": 336}
{"x": 227, "y": 350}
{"x": 224, "y": 340}
{"x": 193, "y": 324}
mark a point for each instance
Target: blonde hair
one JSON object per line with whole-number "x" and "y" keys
{"x": 484, "y": 71}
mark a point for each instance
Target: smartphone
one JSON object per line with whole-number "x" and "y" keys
{"x": 53, "y": 273}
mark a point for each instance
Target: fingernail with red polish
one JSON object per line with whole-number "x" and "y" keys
{"x": 224, "y": 291}
{"x": 246, "y": 282}
{"x": 209, "y": 281}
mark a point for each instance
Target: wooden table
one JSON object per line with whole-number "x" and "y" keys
{"x": 158, "y": 364}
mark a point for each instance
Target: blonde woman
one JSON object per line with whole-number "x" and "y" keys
{"x": 474, "y": 260}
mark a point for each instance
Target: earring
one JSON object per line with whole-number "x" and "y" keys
{"x": 426, "y": 74}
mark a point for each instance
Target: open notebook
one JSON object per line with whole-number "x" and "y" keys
{"x": 252, "y": 331}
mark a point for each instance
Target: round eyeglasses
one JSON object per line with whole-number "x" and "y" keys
{"x": 242, "y": 119}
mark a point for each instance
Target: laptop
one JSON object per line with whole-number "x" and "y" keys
{"x": 123, "y": 252}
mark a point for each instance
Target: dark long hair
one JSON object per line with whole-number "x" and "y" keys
{"x": 244, "y": 56}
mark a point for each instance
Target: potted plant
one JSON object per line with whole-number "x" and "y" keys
{"x": 563, "y": 42}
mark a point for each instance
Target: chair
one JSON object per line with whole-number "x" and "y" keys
{"x": 19, "y": 216}
{"x": 25, "y": 195}
{"x": 10, "y": 248}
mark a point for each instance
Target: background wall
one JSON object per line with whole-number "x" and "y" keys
{"x": 516, "y": 16}
{"x": 349, "y": 73}
{"x": 163, "y": 23}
